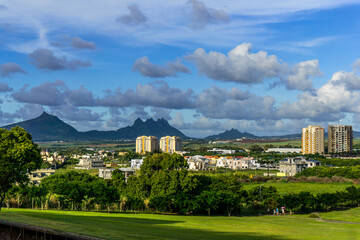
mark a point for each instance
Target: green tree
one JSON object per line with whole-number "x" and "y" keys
{"x": 19, "y": 155}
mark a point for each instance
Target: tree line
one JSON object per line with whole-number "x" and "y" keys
{"x": 164, "y": 185}
{"x": 352, "y": 172}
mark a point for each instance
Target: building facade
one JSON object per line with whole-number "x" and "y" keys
{"x": 312, "y": 140}
{"x": 36, "y": 176}
{"x": 146, "y": 144}
{"x": 292, "y": 166}
{"x": 170, "y": 144}
{"x": 340, "y": 138}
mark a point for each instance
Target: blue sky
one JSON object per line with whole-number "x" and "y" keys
{"x": 265, "y": 67}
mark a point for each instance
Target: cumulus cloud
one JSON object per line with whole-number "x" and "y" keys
{"x": 218, "y": 103}
{"x": 4, "y": 87}
{"x": 160, "y": 113}
{"x": 48, "y": 94}
{"x": 239, "y": 65}
{"x": 356, "y": 64}
{"x": 329, "y": 103}
{"x": 8, "y": 69}
{"x": 148, "y": 69}
{"x": 45, "y": 59}
{"x": 201, "y": 15}
{"x": 29, "y": 111}
{"x": 135, "y": 16}
{"x": 79, "y": 43}
{"x": 74, "y": 113}
{"x": 348, "y": 79}
{"x": 79, "y": 97}
{"x": 157, "y": 94}
{"x": 301, "y": 74}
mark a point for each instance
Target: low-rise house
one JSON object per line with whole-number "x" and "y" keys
{"x": 105, "y": 173}
{"x": 36, "y": 176}
{"x": 292, "y": 166}
{"x": 284, "y": 150}
{"x": 198, "y": 163}
{"x": 90, "y": 163}
{"x": 221, "y": 151}
{"x": 136, "y": 163}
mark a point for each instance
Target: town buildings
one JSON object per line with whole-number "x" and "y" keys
{"x": 221, "y": 151}
{"x": 292, "y": 166}
{"x": 312, "y": 140}
{"x": 284, "y": 150}
{"x": 340, "y": 138}
{"x": 199, "y": 162}
{"x": 170, "y": 144}
{"x": 146, "y": 144}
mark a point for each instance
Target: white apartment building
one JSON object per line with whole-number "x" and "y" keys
{"x": 146, "y": 144}
{"x": 312, "y": 140}
{"x": 170, "y": 144}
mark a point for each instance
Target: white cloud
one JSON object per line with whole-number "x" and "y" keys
{"x": 301, "y": 74}
{"x": 239, "y": 65}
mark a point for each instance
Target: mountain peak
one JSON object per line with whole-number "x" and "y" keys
{"x": 138, "y": 121}
{"x": 231, "y": 134}
{"x": 150, "y": 120}
{"x": 44, "y": 114}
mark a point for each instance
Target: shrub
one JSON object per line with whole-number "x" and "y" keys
{"x": 314, "y": 215}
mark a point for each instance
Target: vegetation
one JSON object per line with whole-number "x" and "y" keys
{"x": 165, "y": 185}
{"x": 151, "y": 226}
{"x": 324, "y": 171}
{"x": 296, "y": 187}
{"x": 18, "y": 156}
{"x": 340, "y": 162}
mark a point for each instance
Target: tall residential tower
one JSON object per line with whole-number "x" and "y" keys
{"x": 340, "y": 138}
{"x": 170, "y": 144}
{"x": 146, "y": 144}
{"x": 312, "y": 140}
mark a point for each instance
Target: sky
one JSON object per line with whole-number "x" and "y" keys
{"x": 264, "y": 67}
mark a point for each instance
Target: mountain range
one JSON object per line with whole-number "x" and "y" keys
{"x": 47, "y": 127}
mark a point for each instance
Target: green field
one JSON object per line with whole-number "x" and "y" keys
{"x": 105, "y": 145}
{"x": 314, "y": 188}
{"x": 150, "y": 226}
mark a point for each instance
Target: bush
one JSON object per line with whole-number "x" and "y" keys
{"x": 314, "y": 215}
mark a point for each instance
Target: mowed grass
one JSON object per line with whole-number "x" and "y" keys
{"x": 314, "y": 188}
{"x": 150, "y": 226}
{"x": 352, "y": 215}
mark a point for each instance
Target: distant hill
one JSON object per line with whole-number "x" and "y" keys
{"x": 47, "y": 127}
{"x": 231, "y": 134}
{"x": 234, "y": 134}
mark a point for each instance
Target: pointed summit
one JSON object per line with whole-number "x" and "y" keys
{"x": 44, "y": 115}
{"x": 138, "y": 122}
{"x": 47, "y": 127}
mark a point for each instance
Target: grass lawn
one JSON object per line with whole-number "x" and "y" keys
{"x": 352, "y": 215}
{"x": 150, "y": 226}
{"x": 286, "y": 187}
